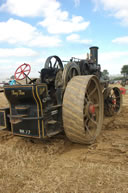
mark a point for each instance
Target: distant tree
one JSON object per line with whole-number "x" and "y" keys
{"x": 124, "y": 70}
{"x": 105, "y": 74}
{"x": 12, "y": 77}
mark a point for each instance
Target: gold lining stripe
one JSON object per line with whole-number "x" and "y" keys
{"x": 20, "y": 86}
{"x": 37, "y": 110}
{"x": 41, "y": 110}
{"x": 17, "y": 86}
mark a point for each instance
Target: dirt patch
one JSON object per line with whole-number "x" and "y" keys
{"x": 57, "y": 165}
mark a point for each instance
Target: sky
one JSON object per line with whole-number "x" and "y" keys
{"x": 32, "y": 30}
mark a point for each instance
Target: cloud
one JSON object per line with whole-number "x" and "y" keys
{"x": 54, "y": 20}
{"x": 2, "y": 61}
{"x": 121, "y": 40}
{"x": 29, "y": 8}
{"x": 113, "y": 61}
{"x": 45, "y": 41}
{"x": 118, "y": 9}
{"x": 17, "y": 52}
{"x": 113, "y": 55}
{"x": 15, "y": 31}
{"x": 77, "y": 3}
{"x": 64, "y": 25}
{"x": 18, "y": 32}
{"x": 76, "y": 39}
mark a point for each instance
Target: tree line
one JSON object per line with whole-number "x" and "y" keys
{"x": 124, "y": 71}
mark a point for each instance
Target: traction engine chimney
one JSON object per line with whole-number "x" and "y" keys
{"x": 94, "y": 54}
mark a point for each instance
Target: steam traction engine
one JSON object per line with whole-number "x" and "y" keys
{"x": 71, "y": 97}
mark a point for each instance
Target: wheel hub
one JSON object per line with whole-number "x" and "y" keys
{"x": 114, "y": 101}
{"x": 91, "y": 109}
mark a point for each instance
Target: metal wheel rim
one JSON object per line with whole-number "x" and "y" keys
{"x": 93, "y": 121}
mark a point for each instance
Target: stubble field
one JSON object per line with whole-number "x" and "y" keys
{"x": 59, "y": 166}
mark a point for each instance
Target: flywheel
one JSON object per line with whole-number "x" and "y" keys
{"x": 112, "y": 101}
{"x": 83, "y": 109}
{"x": 70, "y": 70}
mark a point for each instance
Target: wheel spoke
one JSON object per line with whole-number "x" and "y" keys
{"x": 18, "y": 72}
{"x": 24, "y": 75}
{"x": 93, "y": 121}
{"x": 25, "y": 67}
{"x": 26, "y": 70}
{"x": 19, "y": 75}
{"x": 88, "y": 96}
{"x": 113, "y": 93}
{"x": 96, "y": 105}
{"x": 117, "y": 105}
{"x": 55, "y": 63}
{"x": 92, "y": 92}
{"x": 88, "y": 130}
{"x": 85, "y": 99}
{"x": 117, "y": 97}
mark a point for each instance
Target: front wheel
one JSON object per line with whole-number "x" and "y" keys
{"x": 112, "y": 101}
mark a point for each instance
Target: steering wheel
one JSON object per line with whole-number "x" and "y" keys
{"x": 54, "y": 62}
{"x": 22, "y": 71}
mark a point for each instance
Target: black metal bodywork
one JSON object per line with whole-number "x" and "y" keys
{"x": 90, "y": 65}
{"x": 31, "y": 111}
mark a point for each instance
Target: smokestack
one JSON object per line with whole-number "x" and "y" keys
{"x": 94, "y": 54}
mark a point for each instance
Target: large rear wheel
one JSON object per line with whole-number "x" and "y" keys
{"x": 83, "y": 109}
